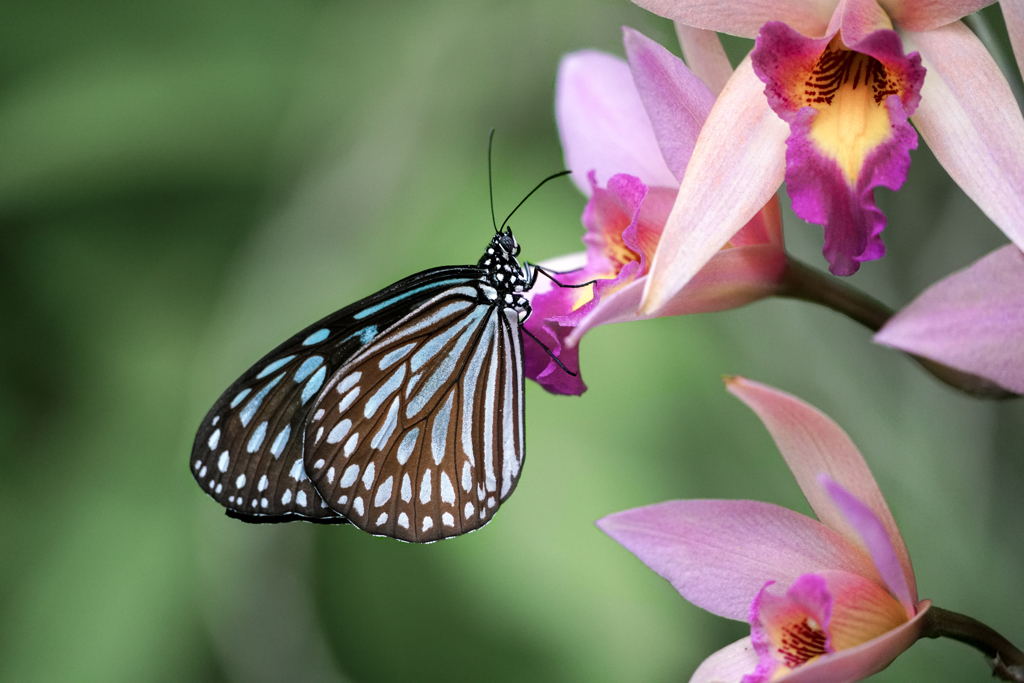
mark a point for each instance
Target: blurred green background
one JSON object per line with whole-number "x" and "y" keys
{"x": 185, "y": 184}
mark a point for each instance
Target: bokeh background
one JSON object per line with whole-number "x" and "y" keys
{"x": 184, "y": 184}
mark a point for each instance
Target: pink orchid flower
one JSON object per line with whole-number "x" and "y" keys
{"x": 964, "y": 109}
{"x": 830, "y": 601}
{"x": 628, "y": 131}
{"x": 972, "y": 320}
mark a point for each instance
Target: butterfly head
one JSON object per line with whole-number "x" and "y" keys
{"x": 506, "y": 241}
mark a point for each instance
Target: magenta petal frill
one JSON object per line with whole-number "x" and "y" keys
{"x": 973, "y": 320}
{"x": 831, "y": 175}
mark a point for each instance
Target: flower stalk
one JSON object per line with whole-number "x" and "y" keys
{"x": 1006, "y": 660}
{"x": 800, "y": 281}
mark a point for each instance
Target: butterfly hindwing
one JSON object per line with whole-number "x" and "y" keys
{"x": 248, "y": 452}
{"x": 419, "y": 436}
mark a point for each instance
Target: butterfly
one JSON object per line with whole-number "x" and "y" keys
{"x": 401, "y": 414}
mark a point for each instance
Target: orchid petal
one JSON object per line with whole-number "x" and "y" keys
{"x": 1013, "y": 15}
{"x": 812, "y": 444}
{"x": 970, "y": 120}
{"x": 925, "y": 15}
{"x": 973, "y": 320}
{"x": 861, "y": 609}
{"x": 736, "y": 167}
{"x": 744, "y": 17}
{"x": 728, "y": 665}
{"x": 677, "y": 102}
{"x": 602, "y": 122}
{"x": 732, "y": 278}
{"x": 873, "y": 534}
{"x": 857, "y": 663}
{"x": 719, "y": 553}
{"x": 704, "y": 54}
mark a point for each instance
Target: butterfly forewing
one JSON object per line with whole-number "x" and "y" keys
{"x": 248, "y": 452}
{"x": 420, "y": 436}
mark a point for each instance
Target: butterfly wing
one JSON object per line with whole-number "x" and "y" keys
{"x": 248, "y": 451}
{"x": 420, "y": 436}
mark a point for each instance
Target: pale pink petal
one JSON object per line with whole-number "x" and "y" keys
{"x": 602, "y": 122}
{"x": 728, "y": 665}
{"x": 876, "y": 540}
{"x": 736, "y": 167}
{"x": 719, "y": 553}
{"x": 704, "y": 54}
{"x": 925, "y": 15}
{"x": 732, "y": 278}
{"x": 857, "y": 19}
{"x": 812, "y": 444}
{"x": 973, "y": 320}
{"x": 859, "y": 662}
{"x": 1013, "y": 14}
{"x": 677, "y": 102}
{"x": 744, "y": 17}
{"x": 970, "y": 120}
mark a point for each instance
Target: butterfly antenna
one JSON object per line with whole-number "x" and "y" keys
{"x": 490, "y": 182}
{"x": 539, "y": 185}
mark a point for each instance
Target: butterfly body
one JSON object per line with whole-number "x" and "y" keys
{"x": 401, "y": 414}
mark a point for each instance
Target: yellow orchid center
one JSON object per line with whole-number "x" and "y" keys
{"x": 849, "y": 90}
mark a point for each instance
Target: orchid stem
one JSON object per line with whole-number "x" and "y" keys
{"x": 1006, "y": 660}
{"x": 802, "y": 282}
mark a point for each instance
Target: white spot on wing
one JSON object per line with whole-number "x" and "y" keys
{"x": 262, "y": 484}
{"x": 467, "y": 477}
{"x": 425, "y": 488}
{"x": 469, "y": 510}
{"x": 384, "y": 492}
{"x": 382, "y": 519}
{"x": 286, "y": 497}
{"x": 298, "y": 472}
{"x": 330, "y": 474}
{"x": 384, "y": 392}
{"x": 439, "y": 432}
{"x": 368, "y": 474}
{"x": 406, "y": 488}
{"x": 223, "y": 461}
{"x": 214, "y": 439}
{"x": 357, "y": 505}
{"x": 240, "y": 481}
{"x": 300, "y": 498}
{"x": 447, "y": 490}
{"x": 280, "y": 441}
{"x": 256, "y": 440}
{"x": 350, "y": 445}
{"x": 349, "y": 477}
{"x": 428, "y": 523}
{"x": 340, "y": 431}
{"x": 383, "y": 435}
{"x": 407, "y": 446}
{"x": 447, "y": 519}
{"x": 348, "y": 399}
{"x": 396, "y": 355}
{"x": 349, "y": 382}
{"x": 403, "y": 520}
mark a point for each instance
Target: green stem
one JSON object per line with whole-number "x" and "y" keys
{"x": 802, "y": 282}
{"x": 1006, "y": 660}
